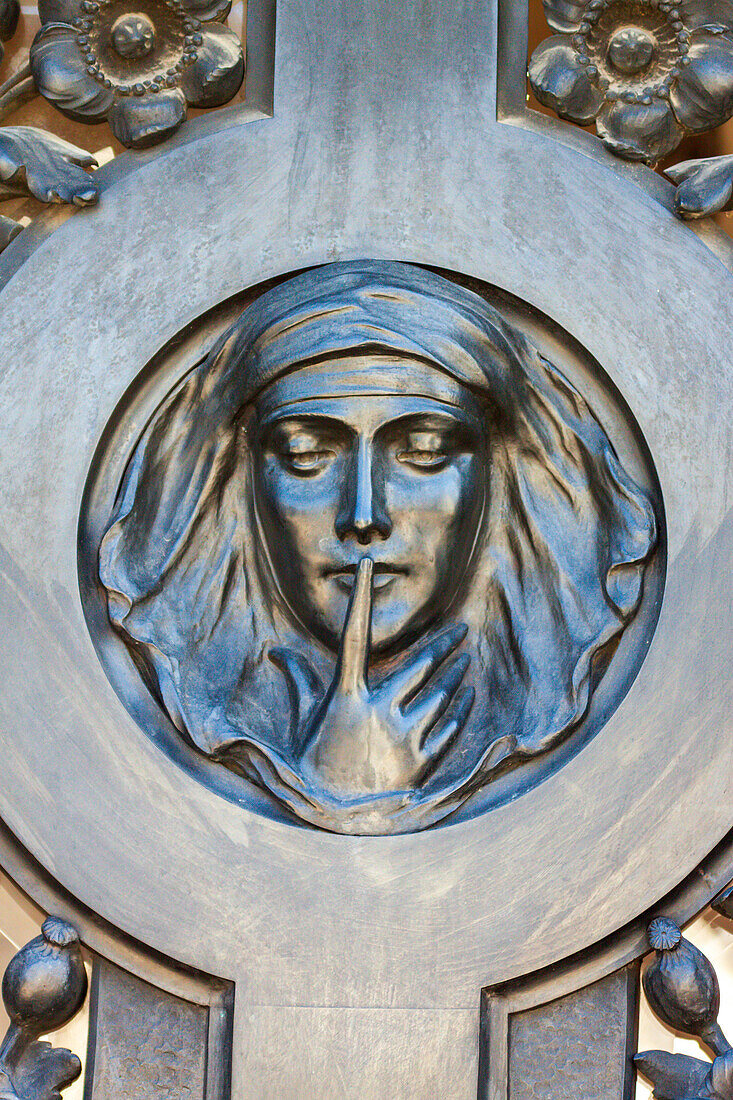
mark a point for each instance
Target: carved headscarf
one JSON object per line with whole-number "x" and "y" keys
{"x": 558, "y": 569}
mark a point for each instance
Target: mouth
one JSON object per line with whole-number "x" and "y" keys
{"x": 384, "y": 575}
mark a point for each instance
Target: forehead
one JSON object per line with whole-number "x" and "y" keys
{"x": 366, "y": 392}
{"x": 370, "y": 413}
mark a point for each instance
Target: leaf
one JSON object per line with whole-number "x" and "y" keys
{"x": 43, "y": 1071}
{"x": 674, "y": 1076}
{"x": 704, "y": 187}
{"x": 723, "y": 904}
{"x": 720, "y": 1079}
{"x": 7, "y": 1092}
{"x": 48, "y": 167}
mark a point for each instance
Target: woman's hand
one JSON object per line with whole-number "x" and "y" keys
{"x": 361, "y": 739}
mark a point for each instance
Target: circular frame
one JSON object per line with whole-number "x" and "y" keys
{"x": 154, "y": 385}
{"x": 208, "y": 882}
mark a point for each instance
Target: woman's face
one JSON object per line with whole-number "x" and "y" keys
{"x": 400, "y": 477}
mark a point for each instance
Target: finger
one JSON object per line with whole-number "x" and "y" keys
{"x": 448, "y": 728}
{"x": 354, "y": 654}
{"x": 414, "y": 674}
{"x": 427, "y": 709}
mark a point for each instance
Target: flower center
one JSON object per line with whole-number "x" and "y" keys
{"x": 133, "y": 35}
{"x": 630, "y": 50}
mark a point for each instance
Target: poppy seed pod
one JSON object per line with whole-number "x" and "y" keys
{"x": 681, "y": 985}
{"x": 46, "y": 983}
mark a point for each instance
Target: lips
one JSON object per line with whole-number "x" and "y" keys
{"x": 384, "y": 574}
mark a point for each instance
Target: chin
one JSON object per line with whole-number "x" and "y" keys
{"x": 396, "y": 622}
{"x": 395, "y": 629}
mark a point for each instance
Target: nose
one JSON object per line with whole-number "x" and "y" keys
{"x": 363, "y": 511}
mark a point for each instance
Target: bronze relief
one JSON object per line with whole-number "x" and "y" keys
{"x": 375, "y": 550}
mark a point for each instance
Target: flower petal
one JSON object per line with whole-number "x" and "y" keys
{"x": 561, "y": 83}
{"x": 48, "y": 167}
{"x": 636, "y": 131}
{"x": 706, "y": 13}
{"x": 61, "y": 75}
{"x": 141, "y": 121}
{"x": 702, "y": 96}
{"x": 208, "y": 11}
{"x": 58, "y": 11}
{"x": 673, "y": 1074}
{"x": 218, "y": 71}
{"x": 9, "y": 15}
{"x": 704, "y": 187}
{"x": 564, "y": 15}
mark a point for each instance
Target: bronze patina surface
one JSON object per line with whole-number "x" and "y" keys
{"x": 375, "y": 422}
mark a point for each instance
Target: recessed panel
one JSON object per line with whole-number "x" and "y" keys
{"x": 372, "y": 548}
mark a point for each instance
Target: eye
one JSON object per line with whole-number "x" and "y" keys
{"x": 425, "y": 450}
{"x": 302, "y": 452}
{"x": 306, "y": 462}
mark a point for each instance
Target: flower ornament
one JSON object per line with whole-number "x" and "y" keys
{"x": 680, "y": 984}
{"x": 44, "y": 986}
{"x": 682, "y": 989}
{"x": 136, "y": 64}
{"x": 646, "y": 71}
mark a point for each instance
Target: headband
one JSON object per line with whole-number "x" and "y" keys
{"x": 385, "y": 308}
{"x": 355, "y": 376}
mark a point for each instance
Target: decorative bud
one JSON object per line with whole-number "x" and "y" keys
{"x": 681, "y": 985}
{"x": 46, "y": 983}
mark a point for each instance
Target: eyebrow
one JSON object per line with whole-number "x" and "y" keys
{"x": 432, "y": 419}
{"x": 426, "y": 418}
{"x": 305, "y": 421}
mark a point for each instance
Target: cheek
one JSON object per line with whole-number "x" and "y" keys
{"x": 439, "y": 510}
{"x": 292, "y": 508}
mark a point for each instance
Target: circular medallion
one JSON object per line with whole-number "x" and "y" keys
{"x": 373, "y": 414}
